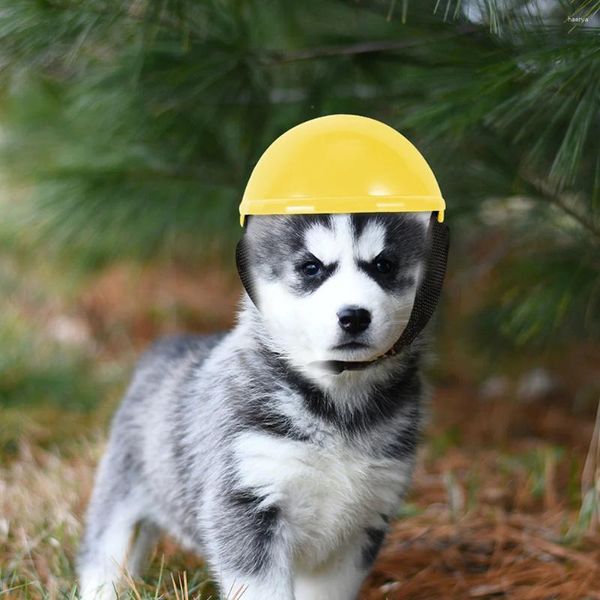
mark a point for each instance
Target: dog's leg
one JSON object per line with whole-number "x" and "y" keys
{"x": 341, "y": 577}
{"x": 248, "y": 551}
{"x": 236, "y": 586}
{"x": 250, "y": 572}
{"x": 117, "y": 505}
{"x": 105, "y": 549}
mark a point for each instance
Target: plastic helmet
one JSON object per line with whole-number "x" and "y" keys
{"x": 341, "y": 164}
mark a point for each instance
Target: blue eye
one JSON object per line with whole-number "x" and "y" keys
{"x": 310, "y": 269}
{"x": 383, "y": 265}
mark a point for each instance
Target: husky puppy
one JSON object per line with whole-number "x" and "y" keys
{"x": 282, "y": 474}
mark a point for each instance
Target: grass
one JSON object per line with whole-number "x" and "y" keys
{"x": 52, "y": 375}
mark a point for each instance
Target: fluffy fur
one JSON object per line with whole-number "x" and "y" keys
{"x": 282, "y": 475}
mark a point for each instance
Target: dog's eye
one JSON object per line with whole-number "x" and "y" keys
{"x": 382, "y": 265}
{"x": 311, "y": 268}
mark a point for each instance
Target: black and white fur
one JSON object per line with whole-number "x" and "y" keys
{"x": 281, "y": 474}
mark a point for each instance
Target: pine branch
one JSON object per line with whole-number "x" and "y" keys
{"x": 546, "y": 191}
{"x": 370, "y": 47}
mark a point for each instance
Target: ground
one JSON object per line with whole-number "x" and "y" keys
{"x": 502, "y": 504}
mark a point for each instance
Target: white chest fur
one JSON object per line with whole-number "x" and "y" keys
{"x": 326, "y": 493}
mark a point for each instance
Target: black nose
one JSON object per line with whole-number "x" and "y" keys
{"x": 354, "y": 320}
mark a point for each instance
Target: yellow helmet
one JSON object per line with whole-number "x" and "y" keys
{"x": 341, "y": 164}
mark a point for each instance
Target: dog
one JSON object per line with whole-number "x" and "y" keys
{"x": 246, "y": 448}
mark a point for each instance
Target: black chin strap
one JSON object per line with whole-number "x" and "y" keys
{"x": 426, "y": 297}
{"x": 242, "y": 262}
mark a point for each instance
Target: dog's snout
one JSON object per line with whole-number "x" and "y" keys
{"x": 354, "y": 320}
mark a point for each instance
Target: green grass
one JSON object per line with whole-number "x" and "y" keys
{"x": 35, "y": 370}
{"x": 48, "y": 390}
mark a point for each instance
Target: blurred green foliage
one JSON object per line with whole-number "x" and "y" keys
{"x": 138, "y": 122}
{"x": 40, "y": 373}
